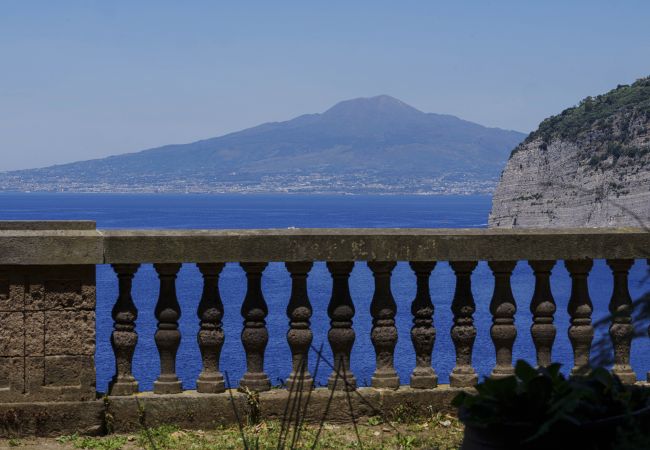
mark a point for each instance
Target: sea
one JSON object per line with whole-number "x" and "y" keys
{"x": 164, "y": 211}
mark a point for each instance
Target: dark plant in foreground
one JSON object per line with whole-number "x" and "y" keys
{"x": 541, "y": 407}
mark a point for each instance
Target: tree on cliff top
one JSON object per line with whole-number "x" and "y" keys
{"x": 597, "y": 111}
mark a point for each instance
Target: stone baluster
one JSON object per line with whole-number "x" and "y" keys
{"x": 581, "y": 332}
{"x": 341, "y": 334}
{"x": 503, "y": 308}
{"x": 542, "y": 307}
{"x": 124, "y": 337}
{"x": 384, "y": 332}
{"x": 210, "y": 336}
{"x": 463, "y": 332}
{"x": 299, "y": 335}
{"x": 621, "y": 330}
{"x": 423, "y": 333}
{"x": 167, "y": 337}
{"x": 254, "y": 336}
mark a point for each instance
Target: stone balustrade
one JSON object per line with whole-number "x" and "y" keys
{"x": 47, "y": 312}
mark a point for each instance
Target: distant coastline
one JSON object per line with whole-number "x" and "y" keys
{"x": 487, "y": 193}
{"x": 351, "y": 185}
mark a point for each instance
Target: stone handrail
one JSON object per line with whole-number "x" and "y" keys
{"x": 63, "y": 243}
{"x": 47, "y": 279}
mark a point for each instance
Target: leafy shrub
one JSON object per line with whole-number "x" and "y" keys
{"x": 597, "y": 111}
{"x": 542, "y": 403}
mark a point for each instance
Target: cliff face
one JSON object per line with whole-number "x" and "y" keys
{"x": 587, "y": 167}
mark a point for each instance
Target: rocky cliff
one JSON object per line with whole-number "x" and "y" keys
{"x": 587, "y": 167}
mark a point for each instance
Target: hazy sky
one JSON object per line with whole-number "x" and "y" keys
{"x": 84, "y": 79}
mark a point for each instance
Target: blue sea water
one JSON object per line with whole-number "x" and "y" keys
{"x": 281, "y": 211}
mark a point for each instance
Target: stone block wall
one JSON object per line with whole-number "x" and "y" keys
{"x": 47, "y": 333}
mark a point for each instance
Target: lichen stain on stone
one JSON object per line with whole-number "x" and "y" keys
{"x": 358, "y": 248}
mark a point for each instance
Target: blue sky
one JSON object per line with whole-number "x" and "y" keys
{"x": 84, "y": 79}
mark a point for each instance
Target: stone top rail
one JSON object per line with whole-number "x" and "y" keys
{"x": 35, "y": 225}
{"x": 61, "y": 243}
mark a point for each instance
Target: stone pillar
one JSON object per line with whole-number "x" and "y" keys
{"x": 621, "y": 330}
{"x": 423, "y": 333}
{"x": 47, "y": 310}
{"x": 254, "y": 336}
{"x": 542, "y": 307}
{"x": 299, "y": 335}
{"x": 463, "y": 332}
{"x": 124, "y": 337}
{"x": 167, "y": 337}
{"x": 581, "y": 332}
{"x": 503, "y": 308}
{"x": 210, "y": 336}
{"x": 384, "y": 332}
{"x": 47, "y": 333}
{"x": 341, "y": 335}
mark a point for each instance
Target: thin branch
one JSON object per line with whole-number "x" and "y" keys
{"x": 234, "y": 408}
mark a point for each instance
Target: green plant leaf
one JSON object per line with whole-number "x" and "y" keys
{"x": 524, "y": 371}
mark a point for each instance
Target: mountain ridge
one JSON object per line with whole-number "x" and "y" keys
{"x": 375, "y": 137}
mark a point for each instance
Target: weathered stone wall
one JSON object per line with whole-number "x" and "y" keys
{"x": 47, "y": 333}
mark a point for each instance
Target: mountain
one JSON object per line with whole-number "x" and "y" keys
{"x": 377, "y": 144}
{"x": 586, "y": 167}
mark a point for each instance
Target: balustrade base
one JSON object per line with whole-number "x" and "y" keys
{"x": 425, "y": 379}
{"x": 295, "y": 383}
{"x": 385, "y": 380}
{"x": 210, "y": 384}
{"x": 167, "y": 387}
{"x": 463, "y": 378}
{"x": 627, "y": 375}
{"x": 123, "y": 387}
{"x": 502, "y": 372}
{"x": 342, "y": 383}
{"x": 52, "y": 418}
{"x": 191, "y": 410}
{"x": 255, "y": 382}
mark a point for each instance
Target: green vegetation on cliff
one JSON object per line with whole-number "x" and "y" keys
{"x": 604, "y": 126}
{"x": 598, "y": 111}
